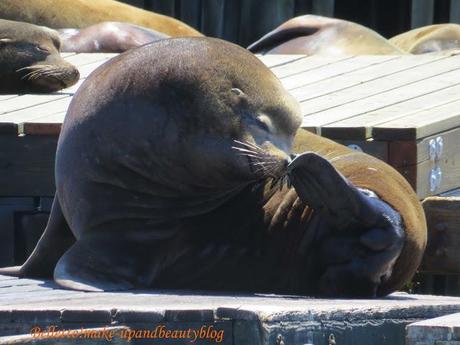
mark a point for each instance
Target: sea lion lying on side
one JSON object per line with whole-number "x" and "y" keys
{"x": 107, "y": 37}
{"x": 429, "y": 39}
{"x": 317, "y": 35}
{"x": 59, "y": 14}
{"x": 171, "y": 172}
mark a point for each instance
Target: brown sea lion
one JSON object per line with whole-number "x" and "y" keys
{"x": 429, "y": 39}
{"x": 30, "y": 60}
{"x": 59, "y": 14}
{"x": 170, "y": 173}
{"x": 107, "y": 37}
{"x": 316, "y": 35}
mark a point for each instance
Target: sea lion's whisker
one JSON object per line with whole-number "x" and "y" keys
{"x": 249, "y": 155}
{"x": 250, "y": 145}
{"x": 245, "y": 150}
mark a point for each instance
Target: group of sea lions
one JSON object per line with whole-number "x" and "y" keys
{"x": 180, "y": 165}
{"x": 87, "y": 26}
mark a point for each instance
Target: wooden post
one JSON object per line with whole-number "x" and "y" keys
{"x": 257, "y": 20}
{"x": 190, "y": 12}
{"x": 324, "y": 7}
{"x": 455, "y": 11}
{"x": 422, "y": 13}
{"x": 212, "y": 17}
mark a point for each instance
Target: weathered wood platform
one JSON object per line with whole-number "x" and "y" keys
{"x": 245, "y": 319}
{"x": 402, "y": 109}
{"x": 443, "y": 330}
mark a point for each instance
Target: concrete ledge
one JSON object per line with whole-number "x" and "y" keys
{"x": 253, "y": 319}
{"x": 443, "y": 330}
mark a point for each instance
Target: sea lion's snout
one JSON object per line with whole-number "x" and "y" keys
{"x": 30, "y": 60}
{"x": 265, "y": 160}
{"x": 50, "y": 77}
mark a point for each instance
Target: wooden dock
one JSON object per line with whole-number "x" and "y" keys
{"x": 403, "y": 109}
{"x": 243, "y": 319}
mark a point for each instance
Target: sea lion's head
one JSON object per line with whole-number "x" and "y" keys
{"x": 239, "y": 120}
{"x": 30, "y": 60}
{"x": 198, "y": 116}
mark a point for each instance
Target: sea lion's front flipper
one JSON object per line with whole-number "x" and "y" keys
{"x": 362, "y": 235}
{"x": 56, "y": 239}
{"x": 104, "y": 261}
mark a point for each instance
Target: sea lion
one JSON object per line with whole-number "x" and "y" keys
{"x": 429, "y": 39}
{"x": 82, "y": 13}
{"x": 170, "y": 173}
{"x": 317, "y": 35}
{"x": 107, "y": 37}
{"x": 30, "y": 60}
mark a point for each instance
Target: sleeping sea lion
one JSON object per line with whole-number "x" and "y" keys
{"x": 429, "y": 39}
{"x": 317, "y": 35}
{"x": 30, "y": 60}
{"x": 59, "y": 14}
{"x": 171, "y": 172}
{"x": 107, "y": 37}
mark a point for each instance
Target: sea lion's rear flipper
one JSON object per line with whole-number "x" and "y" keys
{"x": 280, "y": 36}
{"x": 362, "y": 235}
{"x": 103, "y": 261}
{"x": 56, "y": 239}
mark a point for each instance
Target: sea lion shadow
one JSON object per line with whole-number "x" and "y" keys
{"x": 399, "y": 296}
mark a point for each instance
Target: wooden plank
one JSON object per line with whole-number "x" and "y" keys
{"x": 28, "y": 101}
{"x": 306, "y": 63}
{"x": 378, "y": 149}
{"x": 365, "y": 74}
{"x": 272, "y": 61}
{"x": 4, "y": 284}
{"x": 329, "y": 70}
{"x": 443, "y": 219}
{"x": 66, "y": 55}
{"x": 365, "y": 99}
{"x": 420, "y": 124}
{"x": 361, "y": 126}
{"x": 453, "y": 192}
{"x": 39, "y": 111}
{"x": 421, "y": 148}
{"x": 79, "y": 60}
{"x": 379, "y": 85}
{"x": 6, "y": 97}
{"x": 412, "y": 160}
{"x": 27, "y": 167}
{"x": 46, "y": 125}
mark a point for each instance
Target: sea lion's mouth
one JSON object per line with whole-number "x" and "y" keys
{"x": 262, "y": 163}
